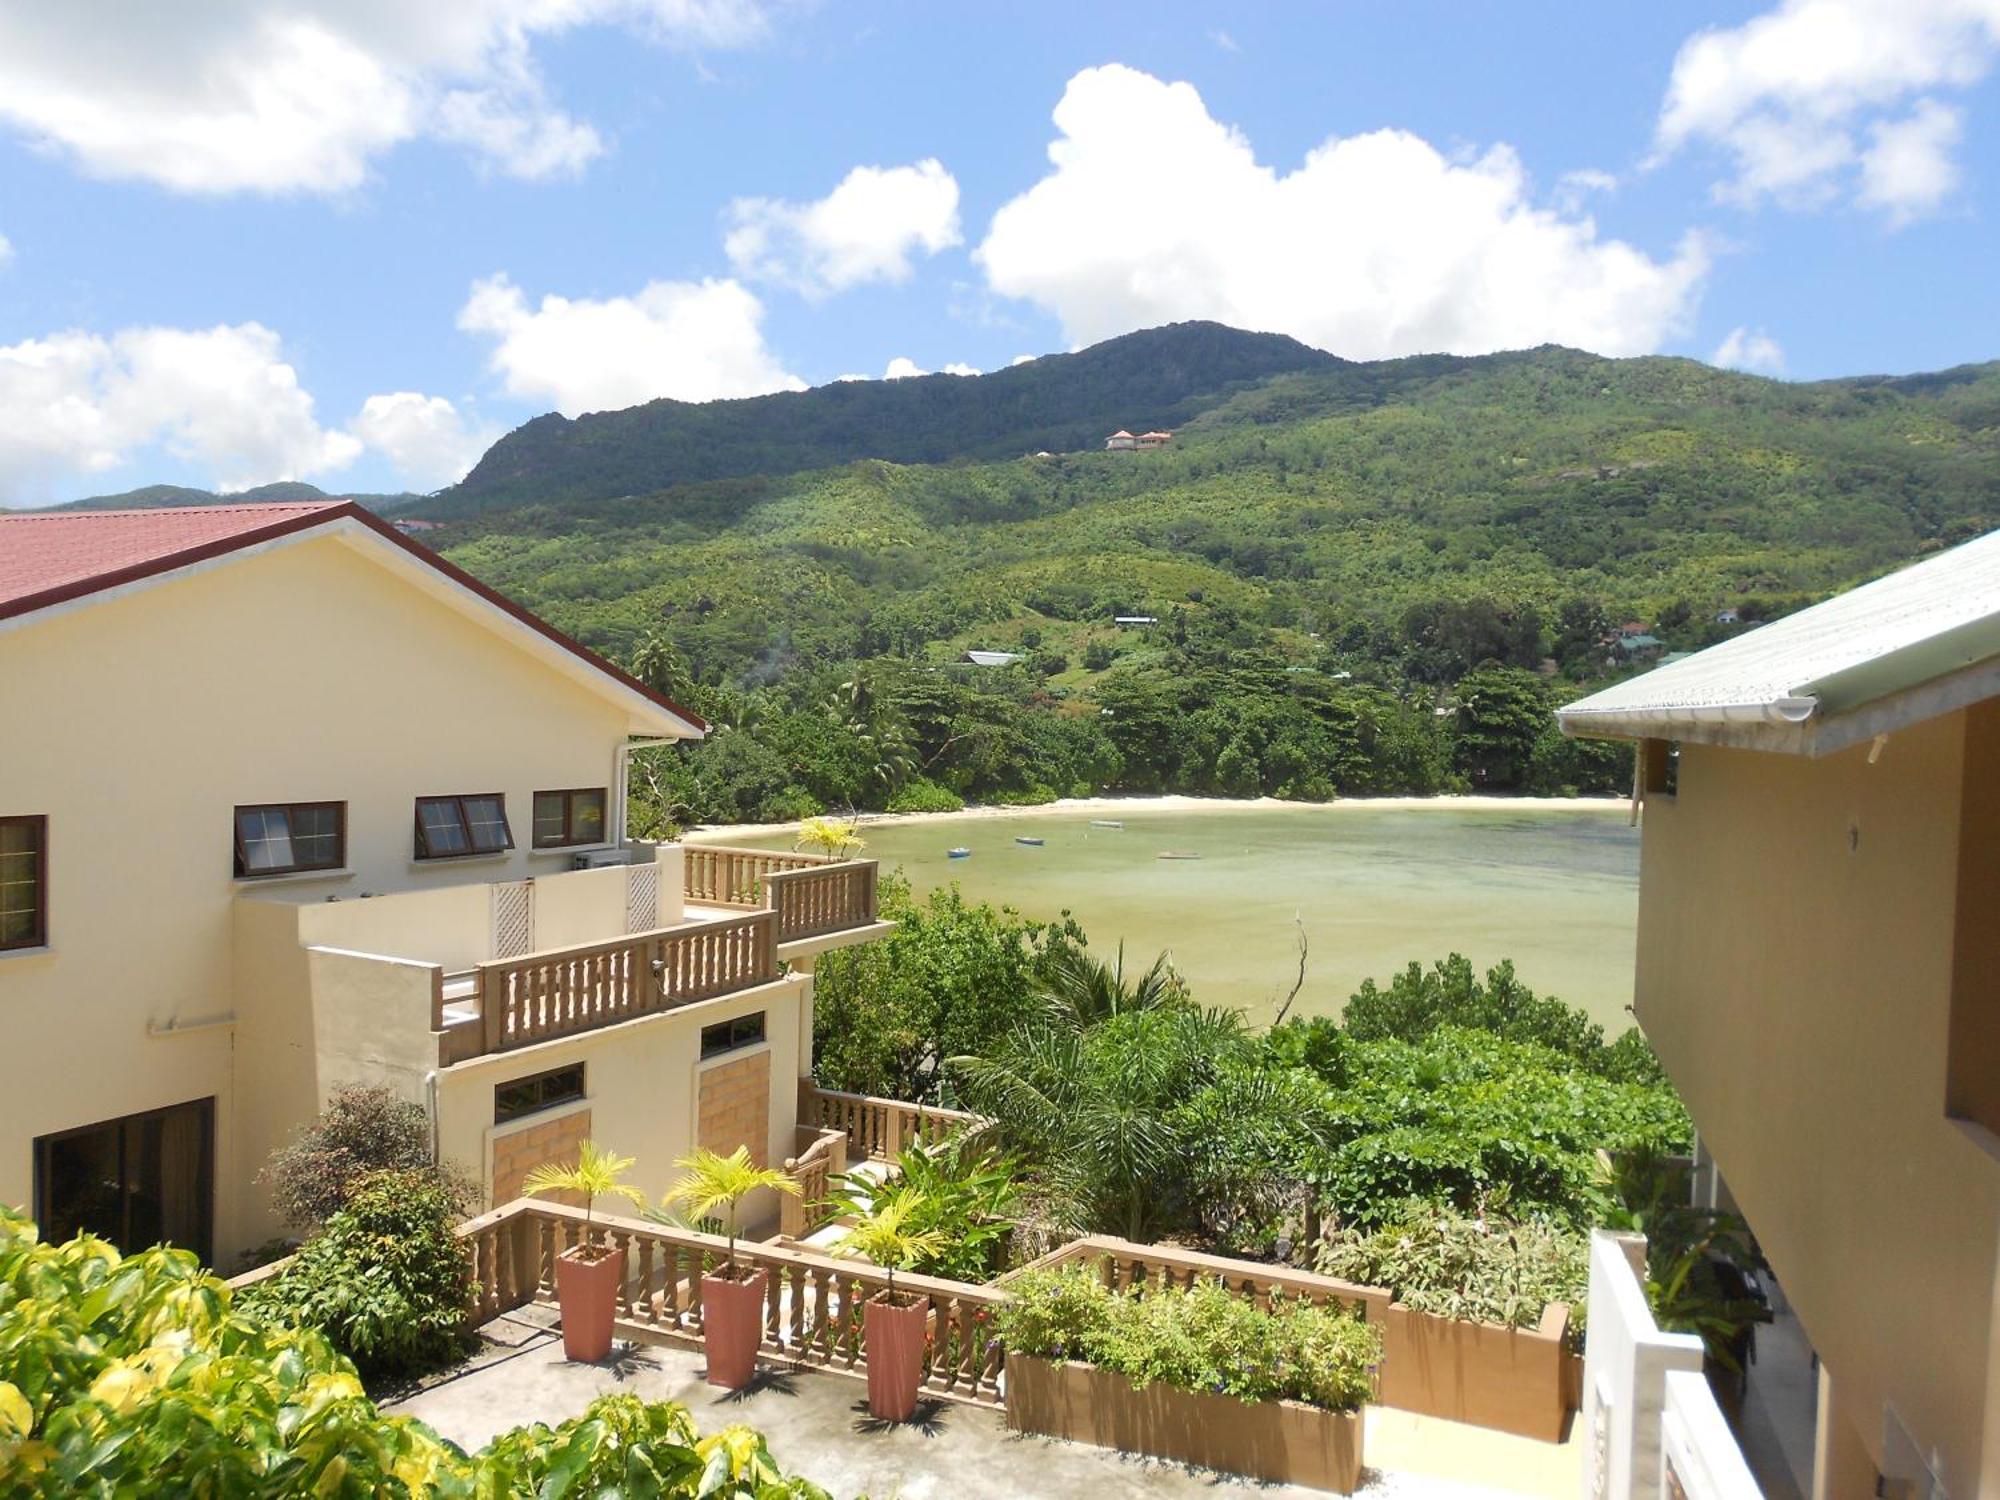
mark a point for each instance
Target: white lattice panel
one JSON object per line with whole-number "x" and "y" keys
{"x": 642, "y": 897}
{"x": 513, "y": 918}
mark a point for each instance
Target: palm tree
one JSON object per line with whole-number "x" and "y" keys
{"x": 884, "y": 1235}
{"x": 596, "y": 1173}
{"x": 834, "y": 836}
{"x": 1083, "y": 990}
{"x": 1097, "y": 1109}
{"x": 721, "y": 1182}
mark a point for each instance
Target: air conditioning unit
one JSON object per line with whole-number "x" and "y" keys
{"x": 600, "y": 859}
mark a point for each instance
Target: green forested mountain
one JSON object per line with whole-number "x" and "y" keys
{"x": 1159, "y": 378}
{"x": 1366, "y": 577}
{"x": 151, "y": 496}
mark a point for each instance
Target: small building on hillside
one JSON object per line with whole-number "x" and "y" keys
{"x": 1730, "y": 616}
{"x": 1641, "y": 647}
{"x": 991, "y": 658}
{"x": 1154, "y": 439}
{"x": 1121, "y": 441}
{"x": 1135, "y": 620}
{"x": 1818, "y": 970}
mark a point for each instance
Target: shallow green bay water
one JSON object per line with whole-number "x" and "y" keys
{"x": 1555, "y": 890}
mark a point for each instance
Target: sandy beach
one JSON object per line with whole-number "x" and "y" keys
{"x": 1113, "y": 807}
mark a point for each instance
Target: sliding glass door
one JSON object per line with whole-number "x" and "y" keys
{"x": 144, "y": 1180}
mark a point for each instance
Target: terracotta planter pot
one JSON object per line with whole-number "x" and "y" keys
{"x": 895, "y": 1340}
{"x": 587, "y": 1291}
{"x": 732, "y": 1327}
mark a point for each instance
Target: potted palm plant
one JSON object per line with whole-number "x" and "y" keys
{"x": 893, "y": 1327}
{"x": 732, "y": 1297}
{"x": 587, "y": 1274}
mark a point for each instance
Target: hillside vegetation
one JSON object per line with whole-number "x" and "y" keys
{"x": 1366, "y": 578}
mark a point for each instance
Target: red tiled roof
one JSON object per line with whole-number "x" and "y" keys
{"x": 71, "y": 552}
{"x": 55, "y": 556}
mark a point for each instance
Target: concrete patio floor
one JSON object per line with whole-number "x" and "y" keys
{"x": 818, "y": 1425}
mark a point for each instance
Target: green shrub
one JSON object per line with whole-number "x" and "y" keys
{"x": 363, "y": 1129}
{"x": 136, "y": 1375}
{"x": 387, "y": 1279}
{"x": 1032, "y": 796}
{"x": 1203, "y": 1339}
{"x": 1461, "y": 1267}
{"x": 921, "y": 796}
{"x": 962, "y": 1191}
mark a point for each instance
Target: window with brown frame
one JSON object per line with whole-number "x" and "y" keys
{"x": 24, "y": 882}
{"x": 575, "y": 816}
{"x": 475, "y": 823}
{"x": 283, "y": 838}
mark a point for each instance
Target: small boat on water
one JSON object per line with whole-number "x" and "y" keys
{"x": 1106, "y": 823}
{"x": 1178, "y": 854}
{"x": 959, "y": 853}
{"x": 1032, "y": 843}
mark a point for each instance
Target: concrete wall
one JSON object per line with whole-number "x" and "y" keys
{"x": 642, "y": 1081}
{"x": 1799, "y": 927}
{"x": 140, "y": 722}
{"x": 1699, "y": 1458}
{"x": 1626, "y": 1360}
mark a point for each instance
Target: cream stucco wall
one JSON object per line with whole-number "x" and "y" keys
{"x": 642, "y": 1080}
{"x": 138, "y": 722}
{"x": 1796, "y": 952}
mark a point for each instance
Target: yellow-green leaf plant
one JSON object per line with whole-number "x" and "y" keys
{"x": 885, "y": 1236}
{"x": 718, "y": 1184}
{"x": 596, "y": 1173}
{"x": 836, "y": 836}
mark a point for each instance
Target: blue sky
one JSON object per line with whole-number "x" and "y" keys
{"x": 350, "y": 241}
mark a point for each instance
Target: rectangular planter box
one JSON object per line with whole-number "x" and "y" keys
{"x": 1283, "y": 1441}
{"x": 1510, "y": 1379}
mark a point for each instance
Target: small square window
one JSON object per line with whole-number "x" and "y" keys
{"x": 571, "y": 817}
{"x": 469, "y": 824}
{"x": 24, "y": 882}
{"x": 732, "y": 1035}
{"x": 282, "y": 837}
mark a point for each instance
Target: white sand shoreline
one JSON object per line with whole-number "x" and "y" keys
{"x": 1119, "y": 807}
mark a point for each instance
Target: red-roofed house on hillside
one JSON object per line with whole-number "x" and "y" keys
{"x": 1154, "y": 439}
{"x": 287, "y": 802}
{"x": 1120, "y": 441}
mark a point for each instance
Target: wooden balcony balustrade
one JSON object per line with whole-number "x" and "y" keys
{"x": 541, "y": 996}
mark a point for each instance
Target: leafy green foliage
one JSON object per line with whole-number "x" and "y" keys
{"x": 1334, "y": 553}
{"x": 952, "y": 978}
{"x": 386, "y": 1279}
{"x": 920, "y": 796}
{"x": 1419, "y": 1001}
{"x": 963, "y": 1193}
{"x": 1457, "y": 1266}
{"x": 1204, "y": 1339}
{"x": 623, "y": 1445}
{"x": 131, "y": 1375}
{"x": 363, "y": 1129}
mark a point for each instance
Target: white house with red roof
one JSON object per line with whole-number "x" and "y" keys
{"x": 287, "y": 802}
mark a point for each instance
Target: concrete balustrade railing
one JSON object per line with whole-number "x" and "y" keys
{"x": 811, "y": 894}
{"x": 879, "y": 1129}
{"x": 541, "y": 996}
{"x": 812, "y": 1302}
{"x": 822, "y": 1157}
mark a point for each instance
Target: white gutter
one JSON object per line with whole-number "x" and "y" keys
{"x": 1791, "y": 710}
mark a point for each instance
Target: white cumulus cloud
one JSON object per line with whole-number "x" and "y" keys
{"x": 1750, "y": 349}
{"x": 1377, "y": 245}
{"x": 1817, "y": 100}
{"x": 224, "y": 399}
{"x": 300, "y": 95}
{"x": 692, "y": 341}
{"x": 427, "y": 438}
{"x": 6, "y": 250}
{"x": 868, "y": 228}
